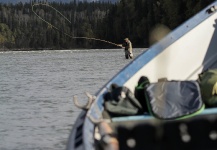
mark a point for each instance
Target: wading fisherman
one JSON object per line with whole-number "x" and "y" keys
{"x": 127, "y": 45}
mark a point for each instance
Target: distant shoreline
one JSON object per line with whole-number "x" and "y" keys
{"x": 44, "y": 49}
{"x": 24, "y": 49}
{"x": 37, "y": 49}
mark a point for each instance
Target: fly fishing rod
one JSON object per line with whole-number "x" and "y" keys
{"x": 53, "y": 26}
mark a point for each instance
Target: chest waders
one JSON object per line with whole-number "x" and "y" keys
{"x": 128, "y": 54}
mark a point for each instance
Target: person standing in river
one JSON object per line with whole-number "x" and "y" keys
{"x": 128, "y": 49}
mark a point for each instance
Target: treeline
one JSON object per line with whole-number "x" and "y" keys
{"x": 136, "y": 18}
{"x": 21, "y": 28}
{"x": 39, "y": 25}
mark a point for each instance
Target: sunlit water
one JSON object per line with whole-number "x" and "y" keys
{"x": 36, "y": 90}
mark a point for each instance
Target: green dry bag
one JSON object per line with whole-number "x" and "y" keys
{"x": 208, "y": 85}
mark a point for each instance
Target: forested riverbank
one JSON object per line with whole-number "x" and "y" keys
{"x": 61, "y": 23}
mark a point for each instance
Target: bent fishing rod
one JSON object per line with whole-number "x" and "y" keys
{"x": 51, "y": 25}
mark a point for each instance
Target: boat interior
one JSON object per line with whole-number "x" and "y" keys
{"x": 182, "y": 55}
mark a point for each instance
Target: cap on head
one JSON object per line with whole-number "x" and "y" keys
{"x": 126, "y": 39}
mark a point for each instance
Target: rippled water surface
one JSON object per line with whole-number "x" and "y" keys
{"x": 36, "y": 90}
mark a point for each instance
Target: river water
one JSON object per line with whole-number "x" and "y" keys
{"x": 36, "y": 89}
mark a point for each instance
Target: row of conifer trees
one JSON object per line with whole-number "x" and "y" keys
{"x": 61, "y": 23}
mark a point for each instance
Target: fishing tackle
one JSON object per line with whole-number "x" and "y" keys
{"x": 52, "y": 26}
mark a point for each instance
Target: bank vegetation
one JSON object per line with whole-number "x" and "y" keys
{"x": 22, "y": 29}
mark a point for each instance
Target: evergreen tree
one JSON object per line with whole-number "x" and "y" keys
{"x": 21, "y": 28}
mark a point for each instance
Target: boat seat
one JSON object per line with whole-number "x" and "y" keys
{"x": 172, "y": 138}
{"x": 203, "y": 134}
{"x": 137, "y": 138}
{"x": 190, "y": 134}
{"x": 198, "y": 132}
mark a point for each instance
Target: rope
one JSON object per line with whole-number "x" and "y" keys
{"x": 51, "y": 25}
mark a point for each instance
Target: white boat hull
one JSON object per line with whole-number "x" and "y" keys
{"x": 181, "y": 55}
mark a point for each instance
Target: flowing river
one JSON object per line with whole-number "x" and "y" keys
{"x": 36, "y": 89}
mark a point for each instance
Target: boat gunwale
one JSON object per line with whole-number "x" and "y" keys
{"x": 144, "y": 58}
